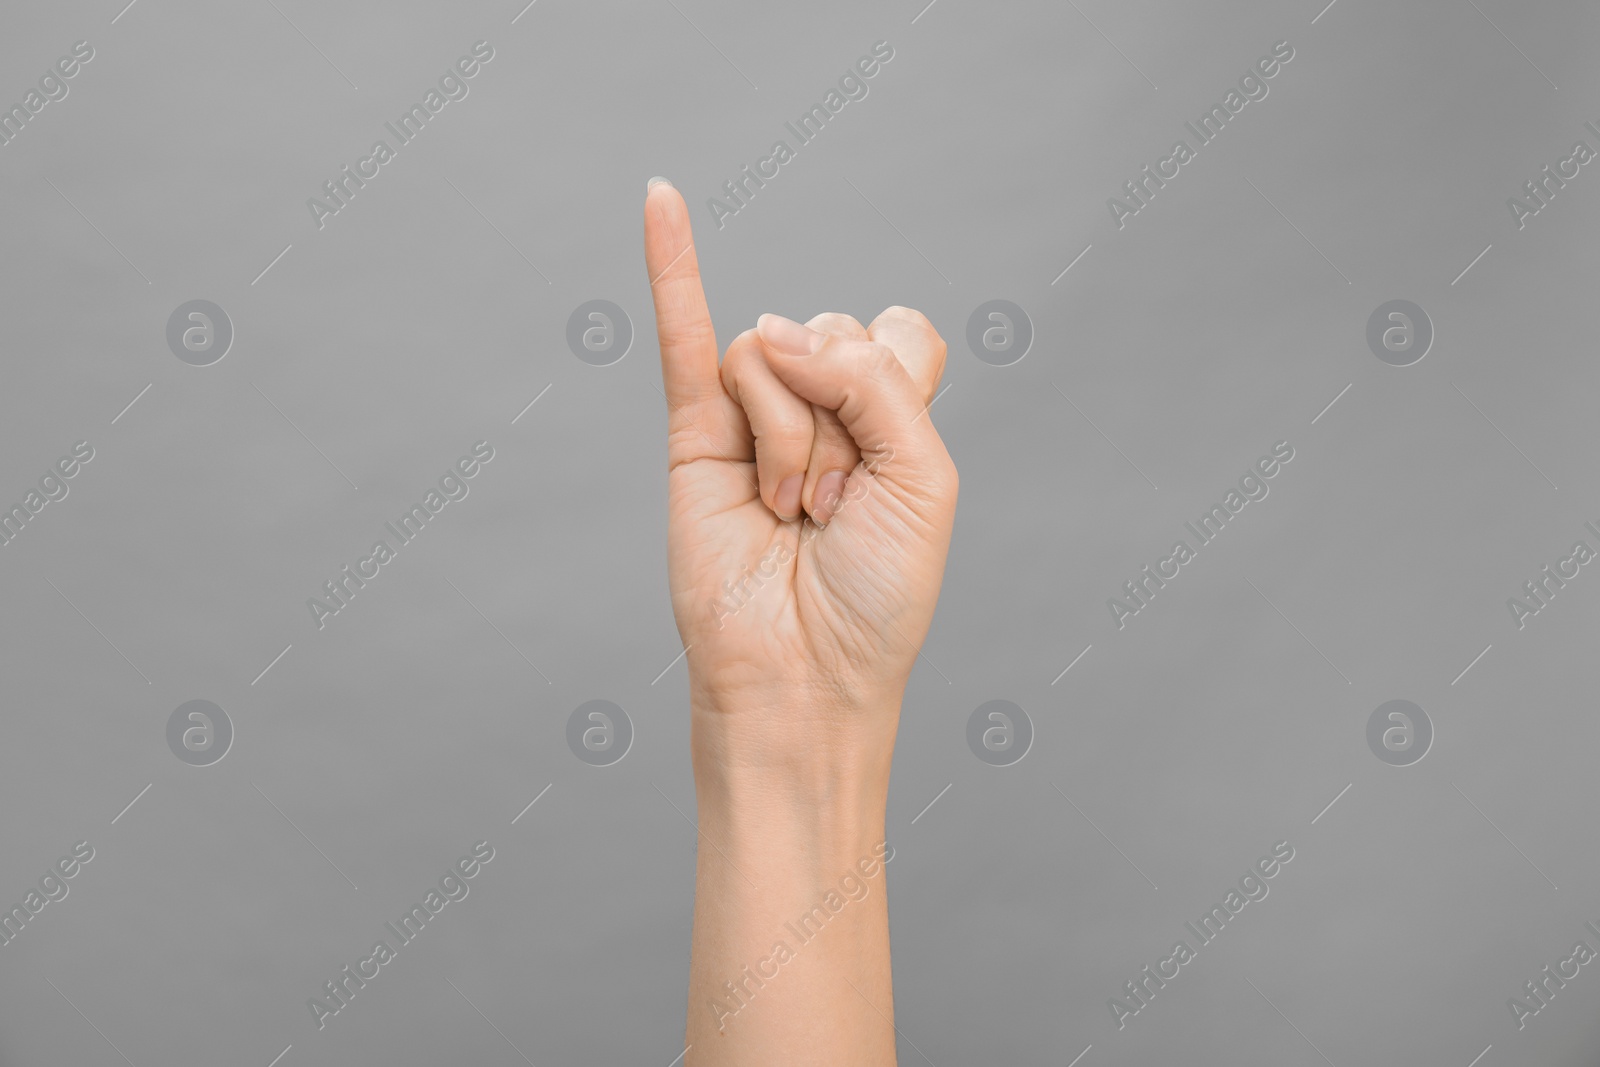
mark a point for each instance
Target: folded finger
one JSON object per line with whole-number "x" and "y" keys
{"x": 874, "y": 395}
{"x": 917, "y": 344}
{"x": 833, "y": 452}
{"x": 780, "y": 421}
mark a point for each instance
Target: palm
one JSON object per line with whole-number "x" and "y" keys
{"x": 753, "y": 592}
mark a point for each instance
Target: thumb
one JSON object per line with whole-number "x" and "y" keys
{"x": 875, "y": 397}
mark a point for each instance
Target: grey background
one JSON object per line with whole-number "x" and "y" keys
{"x": 425, "y": 317}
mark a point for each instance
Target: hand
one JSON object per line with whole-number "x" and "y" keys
{"x": 800, "y": 634}
{"x": 800, "y": 637}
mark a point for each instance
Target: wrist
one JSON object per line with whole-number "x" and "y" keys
{"x": 793, "y": 765}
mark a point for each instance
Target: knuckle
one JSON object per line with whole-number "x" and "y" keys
{"x": 908, "y": 316}
{"x": 838, "y": 323}
{"x": 874, "y": 359}
{"x": 684, "y": 330}
{"x": 900, "y": 311}
{"x": 911, "y": 327}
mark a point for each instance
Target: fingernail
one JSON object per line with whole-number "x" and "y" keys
{"x": 786, "y": 501}
{"x": 826, "y": 497}
{"x": 788, "y": 336}
{"x": 657, "y": 180}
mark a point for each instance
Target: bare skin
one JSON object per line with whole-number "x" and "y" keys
{"x": 800, "y": 640}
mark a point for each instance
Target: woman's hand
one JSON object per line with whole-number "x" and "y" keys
{"x": 801, "y": 633}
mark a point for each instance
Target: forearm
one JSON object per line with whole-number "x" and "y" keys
{"x": 790, "y": 956}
